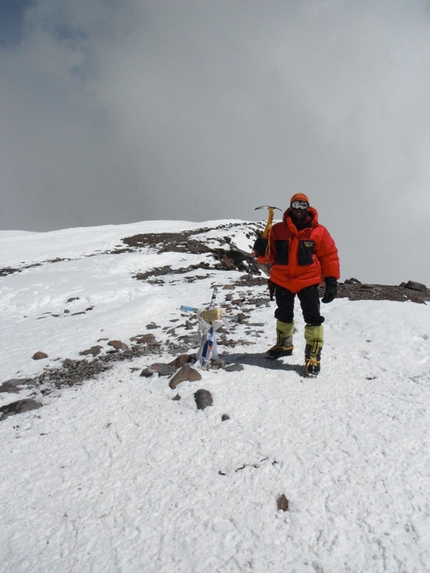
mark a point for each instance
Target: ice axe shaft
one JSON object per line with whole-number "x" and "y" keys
{"x": 271, "y": 211}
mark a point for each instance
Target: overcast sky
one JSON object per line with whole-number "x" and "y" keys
{"x": 116, "y": 111}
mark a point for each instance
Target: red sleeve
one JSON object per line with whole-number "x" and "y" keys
{"x": 328, "y": 255}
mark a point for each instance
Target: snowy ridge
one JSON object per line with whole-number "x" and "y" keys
{"x": 112, "y": 475}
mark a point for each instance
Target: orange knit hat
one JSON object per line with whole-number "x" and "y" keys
{"x": 299, "y": 197}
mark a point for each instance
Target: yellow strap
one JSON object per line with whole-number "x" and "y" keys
{"x": 269, "y": 223}
{"x": 266, "y": 232}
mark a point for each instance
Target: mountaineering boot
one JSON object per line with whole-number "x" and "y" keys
{"x": 314, "y": 343}
{"x": 284, "y": 341}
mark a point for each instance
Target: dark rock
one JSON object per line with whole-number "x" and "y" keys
{"x": 225, "y": 417}
{"x": 162, "y": 369}
{"x": 9, "y": 387}
{"x": 147, "y": 372}
{"x": 283, "y": 503}
{"x": 180, "y": 360}
{"x": 416, "y": 286}
{"x": 354, "y": 290}
{"x": 217, "y": 363}
{"x": 152, "y": 326}
{"x": 19, "y": 407}
{"x": 234, "y": 368}
{"x": 145, "y": 339}
{"x": 186, "y": 373}
{"x": 39, "y": 355}
{"x": 94, "y": 350}
{"x": 415, "y": 297}
{"x": 14, "y": 384}
{"x": 176, "y": 398}
{"x": 189, "y": 339}
{"x": 118, "y": 345}
{"x": 8, "y": 271}
{"x": 203, "y": 399}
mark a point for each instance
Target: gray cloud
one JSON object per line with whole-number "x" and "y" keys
{"x": 12, "y": 21}
{"x": 118, "y": 111}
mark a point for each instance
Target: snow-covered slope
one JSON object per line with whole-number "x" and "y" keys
{"x": 113, "y": 475}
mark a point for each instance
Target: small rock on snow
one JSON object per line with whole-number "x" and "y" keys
{"x": 203, "y": 399}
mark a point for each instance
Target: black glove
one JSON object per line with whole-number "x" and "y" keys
{"x": 330, "y": 290}
{"x": 260, "y": 246}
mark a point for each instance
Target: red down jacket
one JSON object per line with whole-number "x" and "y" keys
{"x": 301, "y": 258}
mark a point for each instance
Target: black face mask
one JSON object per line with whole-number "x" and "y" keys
{"x": 302, "y": 222}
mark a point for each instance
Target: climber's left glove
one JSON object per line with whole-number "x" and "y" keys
{"x": 330, "y": 290}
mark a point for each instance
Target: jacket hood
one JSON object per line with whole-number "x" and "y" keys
{"x": 312, "y": 217}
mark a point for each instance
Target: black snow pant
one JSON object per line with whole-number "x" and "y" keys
{"x": 309, "y": 301}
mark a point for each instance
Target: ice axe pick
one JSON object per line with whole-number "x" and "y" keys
{"x": 271, "y": 210}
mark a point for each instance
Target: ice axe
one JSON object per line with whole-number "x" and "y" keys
{"x": 271, "y": 210}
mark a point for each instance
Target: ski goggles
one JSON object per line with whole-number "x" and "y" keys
{"x": 299, "y": 205}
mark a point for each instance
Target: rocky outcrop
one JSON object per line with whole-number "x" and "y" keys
{"x": 19, "y": 407}
{"x": 411, "y": 291}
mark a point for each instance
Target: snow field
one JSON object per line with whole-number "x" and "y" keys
{"x": 113, "y": 476}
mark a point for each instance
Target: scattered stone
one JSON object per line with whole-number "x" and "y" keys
{"x": 234, "y": 368}
{"x": 147, "y": 372}
{"x": 186, "y": 373}
{"x": 39, "y": 355}
{"x": 152, "y": 326}
{"x": 118, "y": 345}
{"x": 94, "y": 350}
{"x": 283, "y": 503}
{"x": 176, "y": 398}
{"x": 145, "y": 339}
{"x": 231, "y": 258}
{"x": 162, "y": 369}
{"x": 203, "y": 399}
{"x": 225, "y": 417}
{"x": 189, "y": 338}
{"x": 175, "y": 348}
{"x": 217, "y": 363}
{"x": 181, "y": 360}
{"x": 19, "y": 407}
